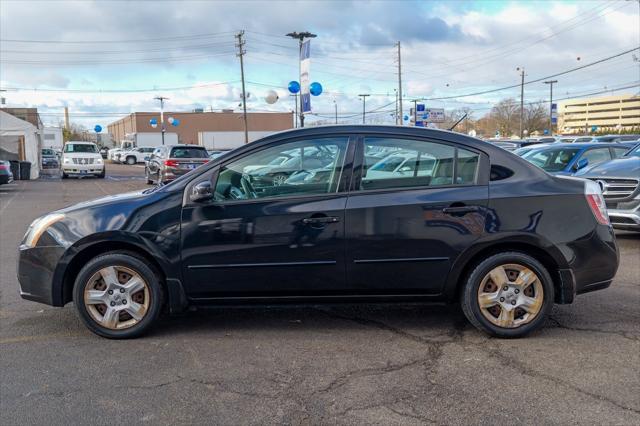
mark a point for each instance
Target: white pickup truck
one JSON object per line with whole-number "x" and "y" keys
{"x": 133, "y": 156}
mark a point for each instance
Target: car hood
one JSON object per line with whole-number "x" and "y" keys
{"x": 109, "y": 199}
{"x": 621, "y": 167}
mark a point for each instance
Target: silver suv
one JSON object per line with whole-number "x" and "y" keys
{"x": 620, "y": 183}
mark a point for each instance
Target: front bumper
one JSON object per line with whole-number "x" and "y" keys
{"x": 625, "y": 219}
{"x": 36, "y": 270}
{"x": 82, "y": 169}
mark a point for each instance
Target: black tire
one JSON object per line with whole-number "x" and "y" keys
{"x": 64, "y": 175}
{"x": 138, "y": 265}
{"x": 103, "y": 174}
{"x": 146, "y": 175}
{"x": 131, "y": 160}
{"x": 469, "y": 294}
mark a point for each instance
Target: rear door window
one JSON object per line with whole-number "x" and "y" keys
{"x": 404, "y": 163}
{"x": 597, "y": 155}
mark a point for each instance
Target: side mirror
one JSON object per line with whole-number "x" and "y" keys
{"x": 582, "y": 163}
{"x": 201, "y": 192}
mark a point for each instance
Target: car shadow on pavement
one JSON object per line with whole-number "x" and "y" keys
{"x": 427, "y": 320}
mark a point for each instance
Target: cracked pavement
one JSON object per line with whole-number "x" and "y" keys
{"x": 346, "y": 364}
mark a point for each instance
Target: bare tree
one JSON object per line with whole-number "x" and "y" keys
{"x": 506, "y": 116}
{"x": 536, "y": 118}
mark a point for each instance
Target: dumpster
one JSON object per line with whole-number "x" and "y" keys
{"x": 25, "y": 170}
{"x": 15, "y": 169}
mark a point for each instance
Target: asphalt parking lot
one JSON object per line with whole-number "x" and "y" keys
{"x": 345, "y": 364}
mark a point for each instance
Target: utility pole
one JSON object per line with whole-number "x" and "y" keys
{"x": 415, "y": 112}
{"x": 240, "y": 54}
{"x": 364, "y": 104}
{"x": 300, "y": 36}
{"x": 396, "y": 105}
{"x": 295, "y": 103}
{"x": 399, "y": 85}
{"x": 66, "y": 118}
{"x": 521, "y": 100}
{"x": 335, "y": 106}
{"x": 550, "y": 83}
{"x": 161, "y": 99}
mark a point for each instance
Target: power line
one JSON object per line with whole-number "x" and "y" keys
{"x": 145, "y": 40}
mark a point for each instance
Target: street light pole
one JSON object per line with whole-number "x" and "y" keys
{"x": 364, "y": 104}
{"x": 551, "y": 83}
{"x": 162, "y": 129}
{"x": 521, "y": 100}
{"x": 300, "y": 36}
{"x": 335, "y": 106}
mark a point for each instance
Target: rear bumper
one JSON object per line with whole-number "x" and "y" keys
{"x": 594, "y": 264}
{"x": 4, "y": 179}
{"x": 36, "y": 267}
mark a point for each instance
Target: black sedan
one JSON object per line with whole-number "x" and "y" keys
{"x": 476, "y": 225}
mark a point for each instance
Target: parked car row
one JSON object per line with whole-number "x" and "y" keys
{"x": 513, "y": 144}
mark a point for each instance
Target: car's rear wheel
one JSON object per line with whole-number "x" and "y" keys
{"x": 508, "y": 295}
{"x": 147, "y": 176}
{"x": 279, "y": 179}
{"x": 118, "y": 296}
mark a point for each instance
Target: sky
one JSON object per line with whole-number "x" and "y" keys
{"x": 105, "y": 59}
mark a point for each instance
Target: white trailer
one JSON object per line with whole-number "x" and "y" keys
{"x": 224, "y": 141}
{"x": 152, "y": 139}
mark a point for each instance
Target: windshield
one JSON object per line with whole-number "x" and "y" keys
{"x": 551, "y": 160}
{"x": 187, "y": 152}
{"x": 48, "y": 152}
{"x": 633, "y": 152}
{"x": 82, "y": 148}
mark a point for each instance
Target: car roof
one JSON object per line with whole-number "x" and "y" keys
{"x": 181, "y": 145}
{"x": 81, "y": 143}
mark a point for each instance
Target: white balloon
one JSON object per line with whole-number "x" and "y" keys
{"x": 272, "y": 97}
{"x": 154, "y": 125}
{"x": 170, "y": 120}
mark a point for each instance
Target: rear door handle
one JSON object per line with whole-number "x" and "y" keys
{"x": 318, "y": 220}
{"x": 461, "y": 210}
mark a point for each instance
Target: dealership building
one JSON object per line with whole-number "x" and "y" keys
{"x": 612, "y": 113}
{"x": 223, "y": 130}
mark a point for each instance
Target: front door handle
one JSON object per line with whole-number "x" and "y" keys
{"x": 460, "y": 210}
{"x": 320, "y": 220}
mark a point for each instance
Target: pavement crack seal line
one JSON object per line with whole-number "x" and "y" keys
{"x": 622, "y": 334}
{"x": 496, "y": 353}
{"x": 429, "y": 362}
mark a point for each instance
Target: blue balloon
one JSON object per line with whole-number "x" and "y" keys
{"x": 176, "y": 122}
{"x": 315, "y": 88}
{"x": 98, "y": 128}
{"x": 406, "y": 117}
{"x": 153, "y": 122}
{"x": 294, "y": 87}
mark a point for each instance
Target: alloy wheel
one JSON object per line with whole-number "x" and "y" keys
{"x": 510, "y": 295}
{"x": 117, "y": 297}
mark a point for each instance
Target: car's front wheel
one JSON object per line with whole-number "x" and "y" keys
{"x": 118, "y": 295}
{"x": 508, "y": 295}
{"x": 131, "y": 160}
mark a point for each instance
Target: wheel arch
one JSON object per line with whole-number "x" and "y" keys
{"x": 466, "y": 263}
{"x": 81, "y": 252}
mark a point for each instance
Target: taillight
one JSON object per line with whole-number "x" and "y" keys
{"x": 596, "y": 201}
{"x": 171, "y": 163}
{"x": 4, "y": 167}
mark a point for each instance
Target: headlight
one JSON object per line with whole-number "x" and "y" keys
{"x": 99, "y": 161}
{"x": 38, "y": 227}
{"x": 66, "y": 160}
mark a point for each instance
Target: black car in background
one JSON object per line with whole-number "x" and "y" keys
{"x": 6, "y": 176}
{"x": 172, "y": 161}
{"x": 49, "y": 159}
{"x": 473, "y": 224}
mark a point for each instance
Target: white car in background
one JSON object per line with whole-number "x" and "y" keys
{"x": 81, "y": 159}
{"x": 135, "y": 155}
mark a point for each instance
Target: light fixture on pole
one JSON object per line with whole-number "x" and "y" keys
{"x": 300, "y": 36}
